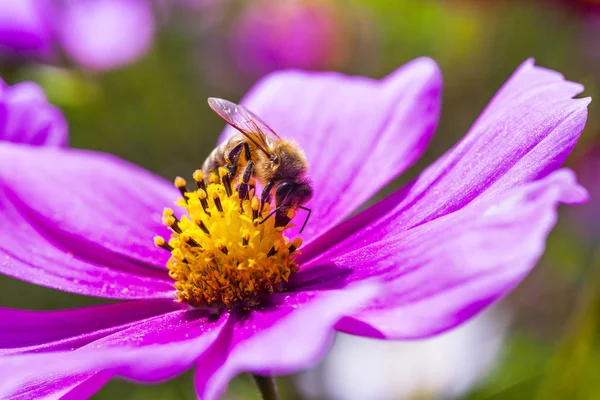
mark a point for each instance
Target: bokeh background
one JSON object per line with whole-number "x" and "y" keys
{"x": 136, "y": 85}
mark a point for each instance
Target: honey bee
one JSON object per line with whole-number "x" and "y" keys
{"x": 279, "y": 165}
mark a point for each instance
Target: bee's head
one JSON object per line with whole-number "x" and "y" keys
{"x": 292, "y": 193}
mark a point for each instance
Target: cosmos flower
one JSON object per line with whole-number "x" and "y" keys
{"x": 269, "y": 36}
{"x": 95, "y": 34}
{"x": 422, "y": 261}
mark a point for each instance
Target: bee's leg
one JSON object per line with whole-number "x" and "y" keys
{"x": 307, "y": 217}
{"x": 233, "y": 157}
{"x": 265, "y": 196}
{"x": 243, "y": 186}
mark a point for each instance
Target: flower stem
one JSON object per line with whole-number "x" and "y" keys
{"x": 266, "y": 386}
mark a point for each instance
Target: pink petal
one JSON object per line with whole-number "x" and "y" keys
{"x": 293, "y": 333}
{"x": 36, "y": 331}
{"x": 526, "y": 132}
{"x": 348, "y": 127}
{"x": 106, "y": 34}
{"x": 26, "y": 116}
{"x": 81, "y": 386}
{"x": 82, "y": 222}
{"x": 24, "y": 30}
{"x": 443, "y": 272}
{"x": 157, "y": 349}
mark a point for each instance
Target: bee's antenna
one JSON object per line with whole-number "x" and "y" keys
{"x": 307, "y": 217}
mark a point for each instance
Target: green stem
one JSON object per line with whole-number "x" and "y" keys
{"x": 266, "y": 386}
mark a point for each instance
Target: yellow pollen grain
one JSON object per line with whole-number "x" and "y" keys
{"x": 223, "y": 172}
{"x": 238, "y": 260}
{"x": 180, "y": 182}
{"x": 168, "y": 221}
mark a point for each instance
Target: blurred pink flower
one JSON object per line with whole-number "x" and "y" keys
{"x": 286, "y": 34}
{"x": 106, "y": 34}
{"x": 23, "y": 29}
{"x": 95, "y": 34}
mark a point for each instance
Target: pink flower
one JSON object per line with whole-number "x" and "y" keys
{"x": 426, "y": 259}
{"x": 287, "y": 34}
{"x": 95, "y": 34}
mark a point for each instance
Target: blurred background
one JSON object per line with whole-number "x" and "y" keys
{"x": 132, "y": 77}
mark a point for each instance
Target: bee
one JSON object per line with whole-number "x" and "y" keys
{"x": 279, "y": 165}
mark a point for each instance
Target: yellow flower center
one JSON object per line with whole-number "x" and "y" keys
{"x": 223, "y": 252}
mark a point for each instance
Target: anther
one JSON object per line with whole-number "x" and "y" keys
{"x": 172, "y": 223}
{"x": 255, "y": 206}
{"x": 174, "y": 243}
{"x": 214, "y": 178}
{"x": 295, "y": 244}
{"x": 180, "y": 184}
{"x": 224, "y": 174}
{"x": 202, "y": 197}
{"x": 160, "y": 242}
{"x": 192, "y": 242}
{"x": 199, "y": 179}
{"x": 272, "y": 252}
{"x": 245, "y": 238}
{"x": 202, "y": 226}
{"x": 217, "y": 202}
{"x": 224, "y": 249}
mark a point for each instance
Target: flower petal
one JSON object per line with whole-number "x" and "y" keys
{"x": 82, "y": 222}
{"x": 35, "y": 331}
{"x": 26, "y": 116}
{"x": 24, "y": 30}
{"x": 347, "y": 126}
{"x": 526, "y": 132}
{"x": 106, "y": 34}
{"x": 157, "y": 349}
{"x": 81, "y": 386}
{"x": 292, "y": 334}
{"x": 445, "y": 271}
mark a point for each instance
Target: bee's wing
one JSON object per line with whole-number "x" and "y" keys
{"x": 254, "y": 128}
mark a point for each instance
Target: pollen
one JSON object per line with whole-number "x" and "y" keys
{"x": 225, "y": 252}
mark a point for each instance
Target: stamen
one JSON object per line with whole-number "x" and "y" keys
{"x": 255, "y": 206}
{"x": 295, "y": 244}
{"x": 180, "y": 184}
{"x": 172, "y": 223}
{"x": 160, "y": 242}
{"x": 224, "y": 174}
{"x": 217, "y": 201}
{"x": 199, "y": 179}
{"x": 192, "y": 242}
{"x": 202, "y": 197}
{"x": 202, "y": 226}
{"x": 218, "y": 249}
